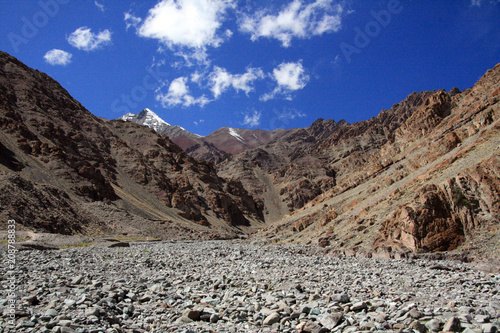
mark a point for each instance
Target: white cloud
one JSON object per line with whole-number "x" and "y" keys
{"x": 99, "y": 5}
{"x": 178, "y": 94}
{"x": 194, "y": 56}
{"x": 289, "y": 77}
{"x": 479, "y": 3}
{"x": 290, "y": 114}
{"x": 221, "y": 80}
{"x": 296, "y": 20}
{"x": 253, "y": 119}
{"x": 131, "y": 20}
{"x": 58, "y": 57}
{"x": 196, "y": 77}
{"x": 228, "y": 33}
{"x": 84, "y": 39}
{"x": 186, "y": 23}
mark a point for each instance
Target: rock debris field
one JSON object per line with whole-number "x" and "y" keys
{"x": 225, "y": 286}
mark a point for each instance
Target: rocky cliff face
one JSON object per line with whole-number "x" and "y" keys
{"x": 420, "y": 177}
{"x": 58, "y": 160}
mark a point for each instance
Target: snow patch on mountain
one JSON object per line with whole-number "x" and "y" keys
{"x": 235, "y": 134}
{"x": 127, "y": 117}
{"x": 147, "y": 118}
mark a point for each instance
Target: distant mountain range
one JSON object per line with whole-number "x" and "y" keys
{"x": 215, "y": 147}
{"x": 421, "y": 177}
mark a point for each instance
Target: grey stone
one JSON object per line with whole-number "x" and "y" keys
{"x": 64, "y": 322}
{"x": 272, "y": 318}
{"x": 329, "y": 321}
{"x": 489, "y": 328}
{"x": 453, "y": 325}
{"x": 51, "y": 313}
{"x": 434, "y": 325}
{"x": 381, "y": 318}
{"x": 359, "y": 306}
{"x": 342, "y": 298}
{"x": 415, "y": 314}
{"x": 418, "y": 326}
{"x": 77, "y": 279}
{"x": 66, "y": 329}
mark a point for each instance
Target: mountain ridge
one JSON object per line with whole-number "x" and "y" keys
{"x": 62, "y": 161}
{"x": 214, "y": 147}
{"x": 423, "y": 176}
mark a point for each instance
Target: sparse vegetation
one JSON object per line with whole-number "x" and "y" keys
{"x": 81, "y": 244}
{"x": 458, "y": 197}
{"x": 5, "y": 241}
{"x": 134, "y": 239}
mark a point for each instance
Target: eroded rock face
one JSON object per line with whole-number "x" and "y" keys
{"x": 423, "y": 176}
{"x": 443, "y": 215}
{"x": 428, "y": 224}
{"x": 432, "y": 112}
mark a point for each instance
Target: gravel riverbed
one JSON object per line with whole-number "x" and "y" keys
{"x": 226, "y": 286}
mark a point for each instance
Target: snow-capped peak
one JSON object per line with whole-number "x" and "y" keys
{"x": 147, "y": 118}
{"x": 127, "y": 117}
{"x": 151, "y": 119}
{"x": 233, "y": 132}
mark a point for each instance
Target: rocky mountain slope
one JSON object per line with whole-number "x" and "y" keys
{"x": 429, "y": 184}
{"x": 423, "y": 176}
{"x": 64, "y": 170}
{"x": 288, "y": 172}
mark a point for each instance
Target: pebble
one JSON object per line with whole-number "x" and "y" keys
{"x": 232, "y": 287}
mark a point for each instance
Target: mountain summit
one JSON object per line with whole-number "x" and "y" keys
{"x": 215, "y": 147}
{"x": 147, "y": 118}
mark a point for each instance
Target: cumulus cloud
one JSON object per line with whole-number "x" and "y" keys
{"x": 289, "y": 77}
{"x": 178, "y": 94}
{"x": 252, "y": 119}
{"x": 296, "y": 20}
{"x": 58, "y": 57}
{"x": 84, "y": 39}
{"x": 221, "y": 80}
{"x": 186, "y": 23}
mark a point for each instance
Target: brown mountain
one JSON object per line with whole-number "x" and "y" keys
{"x": 258, "y": 168}
{"x": 64, "y": 170}
{"x": 215, "y": 147}
{"x": 423, "y": 176}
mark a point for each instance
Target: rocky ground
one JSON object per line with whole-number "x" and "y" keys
{"x": 229, "y": 286}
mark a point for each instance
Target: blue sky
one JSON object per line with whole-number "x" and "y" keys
{"x": 205, "y": 64}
